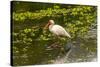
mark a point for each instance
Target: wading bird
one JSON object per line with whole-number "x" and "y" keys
{"x": 56, "y": 29}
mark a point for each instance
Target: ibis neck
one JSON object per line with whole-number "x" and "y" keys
{"x": 50, "y": 27}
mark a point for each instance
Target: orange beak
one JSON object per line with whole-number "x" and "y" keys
{"x": 47, "y": 25}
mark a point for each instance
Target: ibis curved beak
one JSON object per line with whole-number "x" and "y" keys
{"x": 47, "y": 25}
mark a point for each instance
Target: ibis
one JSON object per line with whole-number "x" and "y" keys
{"x": 57, "y": 29}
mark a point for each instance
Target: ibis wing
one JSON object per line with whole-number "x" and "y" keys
{"x": 59, "y": 30}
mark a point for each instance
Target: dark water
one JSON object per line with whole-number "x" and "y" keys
{"x": 85, "y": 49}
{"x": 41, "y": 52}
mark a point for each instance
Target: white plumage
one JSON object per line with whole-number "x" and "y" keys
{"x": 57, "y": 29}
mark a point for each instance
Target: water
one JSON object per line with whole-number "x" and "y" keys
{"x": 82, "y": 50}
{"x": 41, "y": 52}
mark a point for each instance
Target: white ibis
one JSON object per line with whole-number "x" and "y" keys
{"x": 57, "y": 29}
